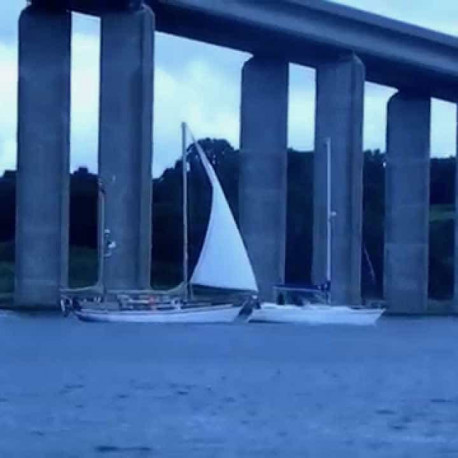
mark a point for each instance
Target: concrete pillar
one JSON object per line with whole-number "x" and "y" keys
{"x": 455, "y": 301}
{"x": 407, "y": 203}
{"x": 262, "y": 191}
{"x": 125, "y": 154}
{"x": 339, "y": 117}
{"x": 43, "y": 157}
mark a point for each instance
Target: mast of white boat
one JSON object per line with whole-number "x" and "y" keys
{"x": 101, "y": 236}
{"x": 184, "y": 167}
{"x": 329, "y": 216}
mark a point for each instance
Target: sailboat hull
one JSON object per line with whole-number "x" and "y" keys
{"x": 315, "y": 314}
{"x": 209, "y": 314}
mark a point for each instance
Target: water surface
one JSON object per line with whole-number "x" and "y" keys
{"x": 71, "y": 389}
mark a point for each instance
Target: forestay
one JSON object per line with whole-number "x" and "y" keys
{"x": 223, "y": 261}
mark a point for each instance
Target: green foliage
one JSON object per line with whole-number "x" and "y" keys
{"x": 299, "y": 238}
{"x": 442, "y": 213}
{"x": 167, "y": 220}
{"x": 373, "y": 223}
{"x": 6, "y": 267}
{"x": 6, "y": 277}
{"x": 7, "y": 252}
{"x": 441, "y": 258}
{"x": 82, "y": 267}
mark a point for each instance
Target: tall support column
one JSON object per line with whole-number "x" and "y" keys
{"x": 125, "y": 154}
{"x": 43, "y": 157}
{"x": 455, "y": 299}
{"x": 339, "y": 117}
{"x": 262, "y": 191}
{"x": 407, "y": 203}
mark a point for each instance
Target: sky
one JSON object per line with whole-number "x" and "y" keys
{"x": 200, "y": 84}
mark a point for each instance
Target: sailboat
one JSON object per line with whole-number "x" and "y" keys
{"x": 223, "y": 264}
{"x": 323, "y": 311}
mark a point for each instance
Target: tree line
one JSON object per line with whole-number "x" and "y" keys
{"x": 167, "y": 243}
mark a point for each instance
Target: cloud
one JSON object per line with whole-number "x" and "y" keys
{"x": 85, "y": 92}
{"x": 8, "y": 102}
{"x": 301, "y": 113}
{"x": 84, "y": 96}
{"x": 9, "y": 16}
{"x": 444, "y": 124}
{"x": 375, "y": 105}
{"x": 203, "y": 92}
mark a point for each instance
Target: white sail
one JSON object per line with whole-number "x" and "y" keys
{"x": 223, "y": 261}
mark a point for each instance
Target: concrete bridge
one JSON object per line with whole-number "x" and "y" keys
{"x": 346, "y": 46}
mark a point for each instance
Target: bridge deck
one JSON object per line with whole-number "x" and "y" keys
{"x": 309, "y": 32}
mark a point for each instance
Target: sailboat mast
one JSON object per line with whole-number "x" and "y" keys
{"x": 328, "y": 216}
{"x": 184, "y": 167}
{"x": 101, "y": 235}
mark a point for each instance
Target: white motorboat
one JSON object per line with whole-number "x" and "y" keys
{"x": 325, "y": 311}
{"x": 315, "y": 314}
{"x": 223, "y": 264}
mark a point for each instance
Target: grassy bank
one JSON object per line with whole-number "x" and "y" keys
{"x": 82, "y": 268}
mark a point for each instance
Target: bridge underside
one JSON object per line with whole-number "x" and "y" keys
{"x": 310, "y": 33}
{"x": 307, "y": 33}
